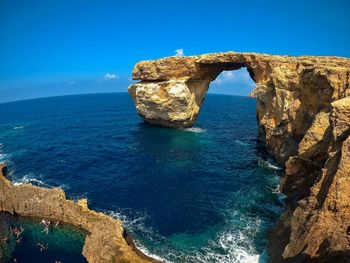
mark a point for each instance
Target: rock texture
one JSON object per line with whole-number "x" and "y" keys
{"x": 303, "y": 112}
{"x": 104, "y": 242}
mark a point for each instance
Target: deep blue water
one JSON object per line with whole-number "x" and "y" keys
{"x": 205, "y": 194}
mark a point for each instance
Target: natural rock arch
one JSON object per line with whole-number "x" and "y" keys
{"x": 303, "y": 112}
{"x": 182, "y": 82}
{"x": 290, "y": 91}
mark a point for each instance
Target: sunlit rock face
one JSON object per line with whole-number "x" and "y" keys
{"x": 290, "y": 91}
{"x": 172, "y": 103}
{"x": 303, "y": 112}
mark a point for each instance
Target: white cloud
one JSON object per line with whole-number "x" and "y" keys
{"x": 179, "y": 52}
{"x": 110, "y": 76}
{"x": 233, "y": 77}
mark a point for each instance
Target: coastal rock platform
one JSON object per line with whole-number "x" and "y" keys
{"x": 106, "y": 240}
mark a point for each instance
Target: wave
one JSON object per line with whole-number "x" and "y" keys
{"x": 193, "y": 129}
{"x": 29, "y": 179}
{"x": 268, "y": 165}
{"x": 3, "y": 156}
{"x": 229, "y": 245}
{"x": 145, "y": 251}
{"x": 136, "y": 224}
{"x": 238, "y": 245}
{"x": 241, "y": 143}
{"x": 18, "y": 127}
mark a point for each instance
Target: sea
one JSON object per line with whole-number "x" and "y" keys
{"x": 202, "y": 194}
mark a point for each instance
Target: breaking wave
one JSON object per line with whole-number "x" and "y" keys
{"x": 229, "y": 245}
{"x": 29, "y": 178}
{"x": 269, "y": 165}
{"x": 34, "y": 179}
{"x": 193, "y": 129}
{"x": 136, "y": 224}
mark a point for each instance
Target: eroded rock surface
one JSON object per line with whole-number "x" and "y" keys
{"x": 303, "y": 112}
{"x": 104, "y": 242}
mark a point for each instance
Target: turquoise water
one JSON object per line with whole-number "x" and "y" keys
{"x": 62, "y": 243}
{"x": 205, "y": 194}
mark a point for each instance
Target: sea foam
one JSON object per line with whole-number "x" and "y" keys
{"x": 268, "y": 165}
{"x": 136, "y": 224}
{"x": 194, "y": 129}
{"x": 230, "y": 245}
{"x": 28, "y": 179}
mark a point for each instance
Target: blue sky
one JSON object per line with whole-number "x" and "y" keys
{"x": 50, "y": 48}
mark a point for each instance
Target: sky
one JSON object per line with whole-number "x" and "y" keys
{"x": 60, "y": 47}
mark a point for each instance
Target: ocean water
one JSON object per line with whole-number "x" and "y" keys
{"x": 62, "y": 243}
{"x": 204, "y": 194}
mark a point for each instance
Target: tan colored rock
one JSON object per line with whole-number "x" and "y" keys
{"x": 320, "y": 225}
{"x": 291, "y": 91}
{"x": 303, "y": 111}
{"x": 340, "y": 117}
{"x": 104, "y": 243}
{"x": 315, "y": 135}
{"x": 170, "y": 103}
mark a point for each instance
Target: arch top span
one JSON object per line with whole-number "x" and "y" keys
{"x": 203, "y": 67}
{"x": 171, "y": 90}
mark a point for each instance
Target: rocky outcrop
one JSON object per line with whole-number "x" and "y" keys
{"x": 104, "y": 242}
{"x": 303, "y": 112}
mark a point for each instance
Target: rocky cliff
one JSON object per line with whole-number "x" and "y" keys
{"x": 303, "y": 112}
{"x": 105, "y": 242}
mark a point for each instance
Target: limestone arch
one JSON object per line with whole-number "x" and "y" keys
{"x": 176, "y": 102}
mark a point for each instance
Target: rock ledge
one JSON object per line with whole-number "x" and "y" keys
{"x": 104, "y": 242}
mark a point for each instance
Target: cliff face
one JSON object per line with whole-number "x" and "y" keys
{"x": 303, "y": 112}
{"x": 104, "y": 242}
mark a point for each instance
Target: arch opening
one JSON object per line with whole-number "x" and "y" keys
{"x": 233, "y": 81}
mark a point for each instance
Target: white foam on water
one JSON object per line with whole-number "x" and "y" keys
{"x": 269, "y": 165}
{"x": 238, "y": 245}
{"x": 230, "y": 245}
{"x": 193, "y": 129}
{"x": 28, "y": 179}
{"x": 3, "y": 156}
{"x": 18, "y": 127}
{"x": 276, "y": 190}
{"x": 137, "y": 223}
{"x": 32, "y": 178}
{"x": 241, "y": 143}
{"x": 145, "y": 251}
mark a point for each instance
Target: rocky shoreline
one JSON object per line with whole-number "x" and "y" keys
{"x": 106, "y": 240}
{"x": 303, "y": 113}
